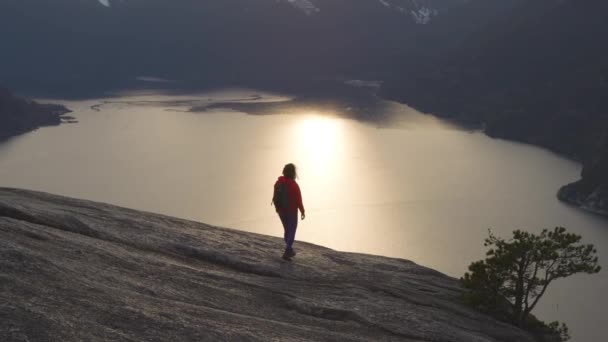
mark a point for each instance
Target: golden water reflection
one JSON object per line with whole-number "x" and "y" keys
{"x": 319, "y": 140}
{"x": 420, "y": 191}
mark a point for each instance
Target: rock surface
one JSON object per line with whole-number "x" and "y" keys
{"x": 74, "y": 270}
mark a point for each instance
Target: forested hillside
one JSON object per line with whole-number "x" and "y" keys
{"x": 538, "y": 74}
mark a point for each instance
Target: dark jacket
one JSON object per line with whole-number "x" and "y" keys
{"x": 294, "y": 196}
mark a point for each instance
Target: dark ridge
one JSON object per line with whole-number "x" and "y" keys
{"x": 536, "y": 74}
{"x": 18, "y": 116}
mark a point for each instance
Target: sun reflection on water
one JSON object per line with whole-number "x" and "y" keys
{"x": 319, "y": 138}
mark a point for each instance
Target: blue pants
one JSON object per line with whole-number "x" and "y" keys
{"x": 290, "y": 224}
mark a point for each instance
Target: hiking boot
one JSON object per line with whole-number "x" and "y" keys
{"x": 290, "y": 252}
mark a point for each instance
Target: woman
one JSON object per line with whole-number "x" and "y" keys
{"x": 287, "y": 200}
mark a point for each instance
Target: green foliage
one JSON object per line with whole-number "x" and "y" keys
{"x": 552, "y": 332}
{"x": 561, "y": 330}
{"x": 516, "y": 273}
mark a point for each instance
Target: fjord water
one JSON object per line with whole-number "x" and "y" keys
{"x": 417, "y": 188}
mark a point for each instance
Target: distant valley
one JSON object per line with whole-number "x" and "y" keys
{"x": 531, "y": 71}
{"x": 268, "y": 42}
{"x": 537, "y": 75}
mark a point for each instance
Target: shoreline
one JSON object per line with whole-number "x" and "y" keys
{"x": 316, "y": 91}
{"x": 20, "y": 116}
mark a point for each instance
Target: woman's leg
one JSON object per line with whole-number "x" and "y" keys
{"x": 285, "y": 223}
{"x": 290, "y": 231}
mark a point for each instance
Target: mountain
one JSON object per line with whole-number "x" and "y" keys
{"x": 537, "y": 74}
{"x": 74, "y": 270}
{"x": 56, "y": 44}
{"x": 532, "y": 71}
{"x": 421, "y": 11}
{"x": 18, "y": 116}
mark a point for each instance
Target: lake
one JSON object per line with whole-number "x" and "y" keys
{"x": 409, "y": 186}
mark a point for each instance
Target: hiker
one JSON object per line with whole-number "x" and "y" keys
{"x": 287, "y": 199}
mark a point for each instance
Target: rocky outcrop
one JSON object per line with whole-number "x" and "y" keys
{"x": 73, "y": 270}
{"x": 591, "y": 192}
{"x": 19, "y": 116}
{"x": 595, "y": 200}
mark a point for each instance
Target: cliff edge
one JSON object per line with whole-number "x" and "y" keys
{"x": 74, "y": 270}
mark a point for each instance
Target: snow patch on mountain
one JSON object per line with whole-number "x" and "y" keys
{"x": 421, "y": 11}
{"x": 305, "y": 5}
{"x": 424, "y": 15}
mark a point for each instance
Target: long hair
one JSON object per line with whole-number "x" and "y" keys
{"x": 290, "y": 171}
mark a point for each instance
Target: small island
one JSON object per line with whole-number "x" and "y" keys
{"x": 18, "y": 116}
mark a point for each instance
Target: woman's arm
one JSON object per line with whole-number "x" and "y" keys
{"x": 300, "y": 204}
